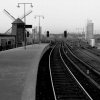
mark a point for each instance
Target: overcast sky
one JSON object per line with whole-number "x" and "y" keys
{"x": 59, "y": 15}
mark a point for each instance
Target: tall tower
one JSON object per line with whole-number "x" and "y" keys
{"x": 18, "y": 30}
{"x": 89, "y": 30}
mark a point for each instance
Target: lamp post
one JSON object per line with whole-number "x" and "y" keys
{"x": 24, "y": 18}
{"x": 39, "y": 16}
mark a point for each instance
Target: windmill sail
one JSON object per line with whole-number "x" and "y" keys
{"x": 8, "y": 31}
{"x": 13, "y": 18}
{"x": 26, "y": 14}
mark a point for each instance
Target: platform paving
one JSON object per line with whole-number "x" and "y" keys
{"x": 18, "y": 72}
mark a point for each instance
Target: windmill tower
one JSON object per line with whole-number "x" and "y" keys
{"x": 18, "y": 28}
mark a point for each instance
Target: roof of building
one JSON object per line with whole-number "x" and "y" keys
{"x": 18, "y": 21}
{"x": 7, "y": 35}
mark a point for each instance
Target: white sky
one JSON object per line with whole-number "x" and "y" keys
{"x": 59, "y": 14}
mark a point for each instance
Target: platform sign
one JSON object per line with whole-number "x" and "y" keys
{"x": 28, "y": 26}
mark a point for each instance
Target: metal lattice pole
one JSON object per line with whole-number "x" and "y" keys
{"x": 39, "y": 16}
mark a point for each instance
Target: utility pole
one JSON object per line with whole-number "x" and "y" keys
{"x": 24, "y": 19}
{"x": 33, "y": 32}
{"x": 39, "y": 16}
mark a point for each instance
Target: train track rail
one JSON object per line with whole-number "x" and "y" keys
{"x": 86, "y": 68}
{"x": 60, "y": 78}
{"x": 91, "y": 82}
{"x": 91, "y": 59}
{"x": 64, "y": 83}
{"x": 84, "y": 45}
{"x": 94, "y": 51}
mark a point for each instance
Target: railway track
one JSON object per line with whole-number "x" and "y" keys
{"x": 92, "y": 80}
{"x": 91, "y": 59}
{"x": 95, "y": 76}
{"x": 84, "y": 45}
{"x": 65, "y": 85}
{"x": 94, "y": 51}
{"x": 60, "y": 78}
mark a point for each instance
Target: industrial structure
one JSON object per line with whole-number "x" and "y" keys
{"x": 90, "y": 32}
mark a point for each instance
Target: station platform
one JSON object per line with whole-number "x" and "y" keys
{"x": 18, "y": 72}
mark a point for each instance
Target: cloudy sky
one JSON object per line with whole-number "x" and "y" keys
{"x": 59, "y": 15}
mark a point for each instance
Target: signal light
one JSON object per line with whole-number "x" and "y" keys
{"x": 47, "y": 33}
{"x": 27, "y": 34}
{"x": 65, "y": 34}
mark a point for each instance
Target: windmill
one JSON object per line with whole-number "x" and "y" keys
{"x": 13, "y": 18}
{"x": 17, "y": 28}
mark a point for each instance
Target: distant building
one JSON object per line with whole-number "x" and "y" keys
{"x": 7, "y": 41}
{"x": 89, "y": 30}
